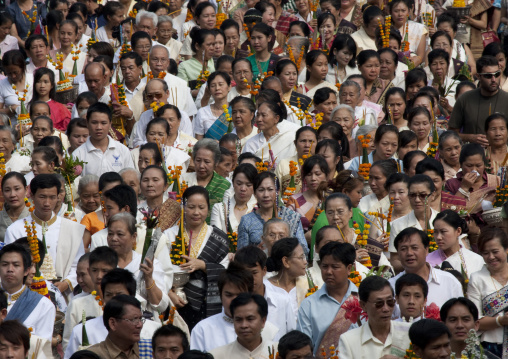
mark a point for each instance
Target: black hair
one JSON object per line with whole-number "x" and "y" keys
{"x": 228, "y": 138}
{"x": 424, "y": 331}
{"x": 302, "y": 25}
{"x": 115, "y": 307}
{"x": 396, "y": 178}
{"x": 406, "y": 137}
{"x": 13, "y": 331}
{"x": 445, "y": 308}
{"x": 170, "y": 330}
{"x": 41, "y": 118}
{"x": 246, "y": 298}
{"x": 106, "y": 60}
{"x": 282, "y": 248}
{"x": 157, "y": 5}
{"x": 26, "y": 256}
{"x": 393, "y": 54}
{"x": 407, "y": 233}
{"x": 110, "y": 9}
{"x": 155, "y": 149}
{"x": 370, "y": 13}
{"x": 157, "y": 121}
{"x": 263, "y": 29}
{"x": 336, "y": 148}
{"x": 75, "y": 122}
{"x": 452, "y": 219}
{"x": 495, "y": 116}
{"x": 138, "y": 35}
{"x": 420, "y": 110}
{"x": 372, "y": 284}
{"x": 173, "y": 67}
{"x": 387, "y": 167}
{"x": 320, "y": 235}
{"x": 109, "y": 177}
{"x": 471, "y": 149}
{"x": 14, "y": 58}
{"x": 440, "y": 34}
{"x": 35, "y": 37}
{"x": 87, "y": 96}
{"x": 42, "y": 249}
{"x": 439, "y": 54}
{"x": 53, "y": 18}
{"x": 342, "y": 252}
{"x": 251, "y": 256}
{"x": 16, "y": 175}
{"x": 384, "y": 129}
{"x": 281, "y": 64}
{"x": 238, "y": 275}
{"x": 84, "y": 354}
{"x": 196, "y": 190}
{"x": 44, "y": 181}
{"x": 337, "y": 133}
{"x": 123, "y": 195}
{"x": 322, "y": 95}
{"x": 445, "y": 136}
{"x": 103, "y": 48}
{"x": 5, "y": 18}
{"x": 214, "y": 74}
{"x": 410, "y": 280}
{"x": 275, "y": 105}
{"x": 449, "y": 18}
{"x": 98, "y": 107}
{"x": 224, "y": 152}
{"x": 120, "y": 276}
{"x": 293, "y": 340}
{"x": 409, "y": 157}
{"x": 75, "y": 16}
{"x": 414, "y": 76}
{"x": 103, "y": 254}
{"x": 198, "y": 10}
{"x": 430, "y": 164}
{"x": 229, "y": 23}
{"x": 482, "y": 62}
{"x": 326, "y": 16}
{"x": 422, "y": 179}
{"x": 246, "y": 156}
{"x": 393, "y": 3}
{"x": 341, "y": 196}
{"x": 247, "y": 169}
{"x": 244, "y": 60}
{"x": 224, "y": 59}
{"x": 195, "y": 354}
{"x": 358, "y": 77}
{"x": 463, "y": 84}
{"x": 138, "y": 61}
{"x": 366, "y": 55}
{"x": 72, "y": 23}
{"x": 343, "y": 41}
{"x": 311, "y": 162}
{"x": 198, "y": 35}
{"x": 168, "y": 106}
{"x": 158, "y": 168}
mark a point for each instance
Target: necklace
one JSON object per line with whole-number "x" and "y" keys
{"x": 495, "y": 287}
{"x": 241, "y": 209}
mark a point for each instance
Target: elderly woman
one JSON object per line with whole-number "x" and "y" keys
{"x": 287, "y": 72}
{"x": 242, "y": 115}
{"x": 206, "y": 156}
{"x": 363, "y": 131}
{"x": 344, "y": 115}
{"x": 251, "y": 224}
{"x": 13, "y": 160}
{"x": 349, "y": 94}
{"x": 206, "y": 257}
{"x": 273, "y": 230}
{"x": 176, "y": 138}
{"x": 496, "y": 130}
{"x": 165, "y": 30}
{"x": 14, "y": 191}
{"x": 242, "y": 75}
{"x": 89, "y": 196}
{"x": 449, "y": 147}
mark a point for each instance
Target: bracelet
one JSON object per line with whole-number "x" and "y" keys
{"x": 463, "y": 192}
{"x": 150, "y": 287}
{"x": 497, "y": 321}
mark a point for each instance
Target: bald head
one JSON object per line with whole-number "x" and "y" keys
{"x": 157, "y": 90}
{"x": 159, "y": 59}
{"x": 95, "y": 78}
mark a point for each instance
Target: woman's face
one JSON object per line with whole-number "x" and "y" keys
{"x": 397, "y": 106}
{"x": 338, "y": 213}
{"x": 204, "y": 163}
{"x": 219, "y": 45}
{"x": 349, "y": 95}
{"x": 219, "y": 88}
{"x": 377, "y": 181}
{"x": 412, "y": 165}
{"x": 370, "y": 69}
{"x": 302, "y": 6}
{"x": 288, "y": 77}
{"x": 157, "y": 134}
{"x": 146, "y": 158}
{"x": 241, "y": 116}
{"x": 78, "y": 137}
{"x": 63, "y": 7}
{"x": 81, "y": 28}
{"x": 14, "y": 192}
{"x": 171, "y": 117}
{"x": 161, "y": 11}
{"x": 164, "y": 31}
{"x": 450, "y": 151}
{"x": 208, "y": 46}
{"x": 355, "y": 195}
{"x": 327, "y": 107}
{"x": 446, "y": 237}
{"x": 242, "y": 74}
{"x": 497, "y": 133}
{"x": 388, "y": 66}
{"x": 207, "y": 19}
{"x": 438, "y": 181}
{"x": 343, "y": 118}
{"x": 90, "y": 199}
{"x": 152, "y": 184}
{"x": 39, "y": 130}
{"x": 473, "y": 163}
{"x": 268, "y": 16}
{"x": 446, "y": 27}
{"x": 319, "y": 68}
{"x": 67, "y": 35}
{"x": 43, "y": 86}
{"x": 119, "y": 238}
{"x": 327, "y": 29}
{"x": 40, "y": 166}
{"x": 399, "y": 13}
{"x": 243, "y": 187}
{"x": 413, "y": 89}
{"x": 330, "y": 157}
{"x": 196, "y": 210}
{"x": 82, "y": 108}
{"x": 387, "y": 145}
{"x": 259, "y": 41}
{"x": 142, "y": 48}
{"x": 297, "y": 262}
{"x": 232, "y": 38}
{"x": 314, "y": 178}
{"x": 398, "y": 192}
{"x": 373, "y": 26}
{"x": 421, "y": 126}
{"x": 117, "y": 18}
{"x": 442, "y": 43}
{"x": 266, "y": 119}
{"x": 423, "y": 101}
{"x": 296, "y": 30}
{"x": 14, "y": 73}
{"x": 265, "y": 194}
{"x": 306, "y": 143}
{"x": 494, "y": 255}
{"x": 439, "y": 68}
{"x": 343, "y": 56}
{"x": 411, "y": 146}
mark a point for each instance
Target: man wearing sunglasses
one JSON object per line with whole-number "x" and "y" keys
{"x": 375, "y": 338}
{"x": 473, "y": 107}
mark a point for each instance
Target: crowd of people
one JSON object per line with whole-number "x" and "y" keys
{"x": 261, "y": 179}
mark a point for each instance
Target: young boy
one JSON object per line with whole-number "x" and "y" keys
{"x": 411, "y": 294}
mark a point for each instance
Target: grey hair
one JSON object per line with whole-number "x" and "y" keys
{"x": 146, "y": 14}
{"x": 300, "y": 41}
{"x": 130, "y": 169}
{"x": 343, "y": 106}
{"x": 164, "y": 18}
{"x": 364, "y": 130}
{"x": 274, "y": 221}
{"x": 350, "y": 83}
{"x": 7, "y": 129}
{"x": 85, "y": 181}
{"x": 126, "y": 218}
{"x": 159, "y": 47}
{"x": 445, "y": 136}
{"x": 207, "y": 144}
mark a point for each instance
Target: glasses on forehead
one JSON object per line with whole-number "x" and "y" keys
{"x": 421, "y": 196}
{"x": 380, "y": 303}
{"x": 489, "y": 75}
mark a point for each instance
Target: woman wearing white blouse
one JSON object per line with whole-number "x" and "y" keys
{"x": 488, "y": 289}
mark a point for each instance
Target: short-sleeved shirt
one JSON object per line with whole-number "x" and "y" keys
{"x": 22, "y": 23}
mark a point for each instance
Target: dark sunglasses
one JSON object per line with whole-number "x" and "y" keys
{"x": 490, "y": 75}
{"x": 380, "y": 303}
{"x": 421, "y": 196}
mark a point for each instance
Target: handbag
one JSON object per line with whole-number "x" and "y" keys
{"x": 489, "y": 36}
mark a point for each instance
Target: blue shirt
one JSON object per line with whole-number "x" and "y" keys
{"x": 318, "y": 311}
{"x": 354, "y": 164}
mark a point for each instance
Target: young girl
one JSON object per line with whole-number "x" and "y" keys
{"x": 45, "y": 90}
{"x": 317, "y": 68}
{"x": 219, "y": 85}
{"x": 419, "y": 122}
{"x": 7, "y": 42}
{"x": 68, "y": 34}
{"x": 83, "y": 102}
{"x": 114, "y": 13}
{"x": 326, "y": 25}
{"x": 81, "y": 38}
{"x": 341, "y": 59}
{"x": 44, "y": 161}
{"x": 204, "y": 17}
{"x": 415, "y": 80}
{"x": 263, "y": 61}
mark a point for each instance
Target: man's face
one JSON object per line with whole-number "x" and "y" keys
{"x": 12, "y": 270}
{"x": 112, "y": 290}
{"x": 130, "y": 71}
{"x": 248, "y": 323}
{"x": 155, "y": 91}
{"x": 460, "y": 321}
{"x": 412, "y": 253}
{"x": 302, "y": 353}
{"x": 95, "y": 79}
{"x": 168, "y": 347}
{"x": 97, "y": 271}
{"x": 411, "y": 301}
{"x": 274, "y": 232}
{"x": 9, "y": 350}
{"x": 159, "y": 60}
{"x": 258, "y": 273}
{"x": 334, "y": 272}
{"x": 229, "y": 292}
{"x": 128, "y": 328}
{"x": 83, "y": 277}
{"x": 99, "y": 126}
{"x": 38, "y": 50}
{"x": 439, "y": 348}
{"x": 380, "y": 305}
{"x": 146, "y": 25}
{"x": 44, "y": 201}
{"x": 488, "y": 80}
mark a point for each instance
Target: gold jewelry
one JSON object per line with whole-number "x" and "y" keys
{"x": 495, "y": 287}
{"x": 17, "y": 295}
{"x": 150, "y": 287}
{"x": 40, "y": 222}
{"x": 241, "y": 209}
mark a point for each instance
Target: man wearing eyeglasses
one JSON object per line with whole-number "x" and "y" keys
{"x": 379, "y": 337}
{"x": 473, "y": 107}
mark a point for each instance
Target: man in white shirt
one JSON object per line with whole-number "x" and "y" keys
{"x": 97, "y": 81}
{"x": 249, "y": 313}
{"x": 101, "y": 152}
{"x": 430, "y": 339}
{"x": 131, "y": 66}
{"x": 412, "y": 247}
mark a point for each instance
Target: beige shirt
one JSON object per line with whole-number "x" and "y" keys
{"x": 108, "y": 350}
{"x": 236, "y": 350}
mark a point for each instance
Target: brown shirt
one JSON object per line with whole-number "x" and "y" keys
{"x": 108, "y": 350}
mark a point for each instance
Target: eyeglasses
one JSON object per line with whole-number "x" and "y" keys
{"x": 489, "y": 75}
{"x": 380, "y": 303}
{"x": 421, "y": 196}
{"x": 134, "y": 321}
{"x": 302, "y": 257}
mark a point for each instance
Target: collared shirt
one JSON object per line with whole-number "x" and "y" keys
{"x": 361, "y": 343}
{"x": 129, "y": 93}
{"x": 235, "y": 350}
{"x": 442, "y": 286}
{"x": 9, "y": 43}
{"x": 409, "y": 220}
{"x": 116, "y": 157}
{"x": 318, "y": 311}
{"x": 109, "y": 350}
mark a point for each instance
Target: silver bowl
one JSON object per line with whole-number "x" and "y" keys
{"x": 180, "y": 279}
{"x": 493, "y": 216}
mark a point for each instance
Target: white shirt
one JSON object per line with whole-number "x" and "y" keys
{"x": 279, "y": 310}
{"x": 74, "y": 314}
{"x": 235, "y": 350}
{"x": 8, "y": 94}
{"x": 129, "y": 93}
{"x": 18, "y": 163}
{"x": 163, "y": 281}
{"x": 203, "y": 121}
{"x": 115, "y": 158}
{"x": 231, "y": 95}
{"x": 442, "y": 286}
{"x": 407, "y": 221}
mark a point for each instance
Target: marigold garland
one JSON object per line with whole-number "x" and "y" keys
{"x": 291, "y": 188}
{"x": 2, "y": 165}
{"x": 32, "y": 20}
{"x": 38, "y": 283}
{"x": 361, "y": 240}
{"x": 364, "y": 167}
{"x": 98, "y": 299}
{"x": 312, "y": 287}
{"x": 355, "y": 277}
